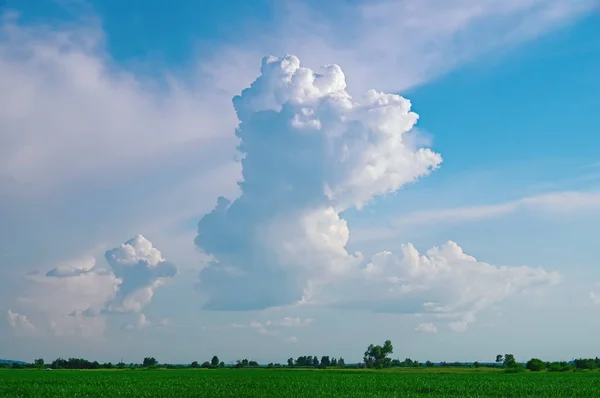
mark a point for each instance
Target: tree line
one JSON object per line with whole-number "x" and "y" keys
{"x": 375, "y": 357}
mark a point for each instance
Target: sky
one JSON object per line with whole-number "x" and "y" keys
{"x": 293, "y": 178}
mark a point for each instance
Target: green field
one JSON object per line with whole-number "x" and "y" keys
{"x": 295, "y": 383}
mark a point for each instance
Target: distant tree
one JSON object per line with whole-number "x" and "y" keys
{"x": 121, "y": 365}
{"x": 315, "y": 362}
{"x": 499, "y": 358}
{"x": 39, "y": 362}
{"x": 215, "y": 361}
{"x": 509, "y": 361}
{"x": 221, "y": 364}
{"x": 558, "y": 367}
{"x": 476, "y": 364}
{"x": 194, "y": 364}
{"x": 341, "y": 363}
{"x": 376, "y": 355}
{"x": 535, "y": 365}
{"x": 585, "y": 363}
{"x": 334, "y": 361}
{"x": 149, "y": 361}
{"x": 290, "y": 362}
{"x": 206, "y": 365}
{"x": 253, "y": 364}
{"x": 429, "y": 364}
{"x": 325, "y": 361}
{"x": 245, "y": 363}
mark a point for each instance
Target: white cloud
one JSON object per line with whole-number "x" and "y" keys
{"x": 426, "y": 328}
{"x": 20, "y": 323}
{"x": 283, "y": 241}
{"x": 595, "y": 297}
{"x": 444, "y": 283}
{"x": 73, "y": 298}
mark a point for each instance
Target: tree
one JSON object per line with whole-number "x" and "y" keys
{"x": 334, "y": 361}
{"x": 39, "y": 362}
{"x": 376, "y": 355}
{"x": 325, "y": 361}
{"x": 195, "y": 364}
{"x": 214, "y": 361}
{"x": 499, "y": 358}
{"x": 509, "y": 361}
{"x": 535, "y": 365}
{"x": 150, "y": 361}
{"x": 290, "y": 362}
{"x": 341, "y": 363}
{"x": 315, "y": 362}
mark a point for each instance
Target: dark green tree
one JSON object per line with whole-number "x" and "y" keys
{"x": 535, "y": 365}
{"x": 376, "y": 356}
{"x": 149, "y": 361}
{"x": 215, "y": 361}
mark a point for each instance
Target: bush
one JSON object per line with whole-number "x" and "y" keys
{"x": 559, "y": 367}
{"x": 515, "y": 368}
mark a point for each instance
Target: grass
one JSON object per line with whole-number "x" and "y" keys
{"x": 295, "y": 383}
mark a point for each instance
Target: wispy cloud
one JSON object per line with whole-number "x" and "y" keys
{"x": 395, "y": 45}
{"x": 553, "y": 203}
{"x": 426, "y": 328}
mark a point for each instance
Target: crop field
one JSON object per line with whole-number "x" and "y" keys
{"x": 295, "y": 383}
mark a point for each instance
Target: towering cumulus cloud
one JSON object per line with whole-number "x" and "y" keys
{"x": 310, "y": 151}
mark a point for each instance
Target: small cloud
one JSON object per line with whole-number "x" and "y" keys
{"x": 458, "y": 326}
{"x": 426, "y": 328}
{"x": 20, "y": 323}
{"x": 295, "y": 322}
{"x": 141, "y": 322}
{"x": 142, "y": 269}
{"x": 291, "y": 339}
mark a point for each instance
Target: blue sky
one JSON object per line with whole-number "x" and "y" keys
{"x": 352, "y": 225}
